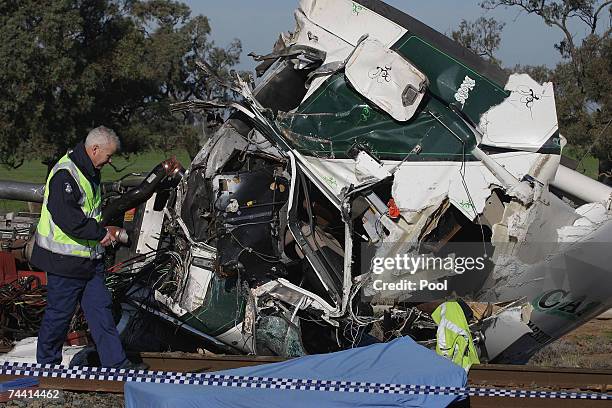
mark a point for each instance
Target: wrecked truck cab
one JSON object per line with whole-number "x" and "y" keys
{"x": 369, "y": 140}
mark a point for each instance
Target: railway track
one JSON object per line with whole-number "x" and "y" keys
{"x": 498, "y": 376}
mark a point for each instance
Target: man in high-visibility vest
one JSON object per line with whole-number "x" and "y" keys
{"x": 69, "y": 246}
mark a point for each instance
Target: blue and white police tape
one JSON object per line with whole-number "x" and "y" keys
{"x": 240, "y": 381}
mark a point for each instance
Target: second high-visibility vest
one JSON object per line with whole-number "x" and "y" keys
{"x": 454, "y": 340}
{"x": 50, "y": 236}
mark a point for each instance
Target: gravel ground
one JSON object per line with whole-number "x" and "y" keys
{"x": 589, "y": 346}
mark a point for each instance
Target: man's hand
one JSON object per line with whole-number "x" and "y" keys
{"x": 107, "y": 240}
{"x": 112, "y": 235}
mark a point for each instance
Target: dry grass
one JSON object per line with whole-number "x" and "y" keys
{"x": 590, "y": 346}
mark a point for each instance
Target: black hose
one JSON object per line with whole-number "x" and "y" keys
{"x": 136, "y": 196}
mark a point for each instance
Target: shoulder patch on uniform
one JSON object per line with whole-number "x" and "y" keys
{"x": 67, "y": 188}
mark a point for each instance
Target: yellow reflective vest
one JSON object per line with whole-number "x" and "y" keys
{"x": 50, "y": 236}
{"x": 454, "y": 340}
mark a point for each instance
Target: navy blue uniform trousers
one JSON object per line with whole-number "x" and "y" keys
{"x": 62, "y": 297}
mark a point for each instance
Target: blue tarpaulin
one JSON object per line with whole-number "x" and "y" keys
{"x": 401, "y": 361}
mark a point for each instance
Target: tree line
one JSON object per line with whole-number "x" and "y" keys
{"x": 69, "y": 65}
{"x": 583, "y": 78}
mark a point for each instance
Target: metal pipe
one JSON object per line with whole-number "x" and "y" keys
{"x": 513, "y": 186}
{"x": 21, "y": 191}
{"x": 504, "y": 176}
{"x": 581, "y": 186}
{"x": 34, "y": 192}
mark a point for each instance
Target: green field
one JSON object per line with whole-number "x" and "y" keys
{"x": 589, "y": 165}
{"x": 34, "y": 171}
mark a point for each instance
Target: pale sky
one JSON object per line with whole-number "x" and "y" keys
{"x": 257, "y": 23}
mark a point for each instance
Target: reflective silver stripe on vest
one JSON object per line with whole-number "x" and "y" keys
{"x": 67, "y": 249}
{"x": 50, "y": 244}
{"x": 64, "y": 249}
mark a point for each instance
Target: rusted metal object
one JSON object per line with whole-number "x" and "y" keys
{"x": 528, "y": 377}
{"x": 193, "y": 363}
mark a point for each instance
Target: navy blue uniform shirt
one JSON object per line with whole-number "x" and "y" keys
{"x": 63, "y": 205}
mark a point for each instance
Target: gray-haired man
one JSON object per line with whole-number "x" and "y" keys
{"x": 69, "y": 247}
